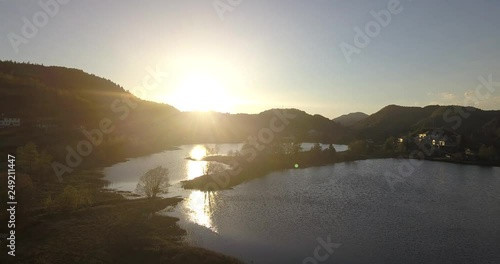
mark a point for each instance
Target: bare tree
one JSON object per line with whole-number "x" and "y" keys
{"x": 212, "y": 150}
{"x": 153, "y": 182}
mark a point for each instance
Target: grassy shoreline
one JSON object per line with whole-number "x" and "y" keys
{"x": 110, "y": 230}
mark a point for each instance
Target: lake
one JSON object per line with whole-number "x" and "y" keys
{"x": 439, "y": 213}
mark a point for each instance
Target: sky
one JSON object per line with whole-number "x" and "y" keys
{"x": 243, "y": 56}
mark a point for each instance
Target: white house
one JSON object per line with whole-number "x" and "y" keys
{"x": 440, "y": 138}
{"x": 10, "y": 122}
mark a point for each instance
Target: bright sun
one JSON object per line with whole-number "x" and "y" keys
{"x": 198, "y": 153}
{"x": 201, "y": 92}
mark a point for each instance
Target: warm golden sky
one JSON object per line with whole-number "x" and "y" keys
{"x": 266, "y": 54}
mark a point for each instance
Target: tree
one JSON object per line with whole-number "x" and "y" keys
{"x": 153, "y": 182}
{"x": 211, "y": 150}
{"x": 212, "y": 168}
{"x": 390, "y": 143}
{"x": 331, "y": 150}
{"x": 316, "y": 148}
{"x": 289, "y": 148}
{"x": 296, "y": 148}
{"x": 234, "y": 153}
{"x": 32, "y": 162}
{"x": 28, "y": 158}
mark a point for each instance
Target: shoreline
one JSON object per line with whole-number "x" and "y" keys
{"x": 111, "y": 229}
{"x": 253, "y": 171}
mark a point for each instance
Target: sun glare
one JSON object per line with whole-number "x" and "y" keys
{"x": 201, "y": 92}
{"x": 198, "y": 153}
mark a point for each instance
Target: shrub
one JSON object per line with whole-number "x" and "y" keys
{"x": 48, "y": 203}
{"x": 86, "y": 197}
{"x": 487, "y": 153}
{"x": 358, "y": 147}
{"x": 69, "y": 200}
{"x": 389, "y": 143}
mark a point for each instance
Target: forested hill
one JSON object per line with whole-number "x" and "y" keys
{"x": 57, "y": 105}
{"x": 62, "y": 96}
{"x": 474, "y": 124}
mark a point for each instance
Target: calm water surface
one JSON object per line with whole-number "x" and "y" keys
{"x": 440, "y": 213}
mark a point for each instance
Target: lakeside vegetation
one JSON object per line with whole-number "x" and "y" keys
{"x": 79, "y": 222}
{"x": 286, "y": 155}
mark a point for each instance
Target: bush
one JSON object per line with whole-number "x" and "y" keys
{"x": 358, "y": 147}
{"x": 390, "y": 143}
{"x": 48, "y": 203}
{"x": 86, "y": 197}
{"x": 69, "y": 200}
{"x": 487, "y": 153}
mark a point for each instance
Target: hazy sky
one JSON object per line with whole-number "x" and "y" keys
{"x": 266, "y": 54}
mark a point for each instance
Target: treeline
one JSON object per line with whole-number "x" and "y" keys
{"x": 37, "y": 187}
{"x": 250, "y": 163}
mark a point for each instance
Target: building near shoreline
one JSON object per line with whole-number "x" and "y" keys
{"x": 442, "y": 138}
{"x": 437, "y": 142}
{"x": 9, "y": 121}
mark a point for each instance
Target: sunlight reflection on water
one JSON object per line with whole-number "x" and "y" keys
{"x": 200, "y": 210}
{"x": 195, "y": 168}
{"x": 198, "y": 204}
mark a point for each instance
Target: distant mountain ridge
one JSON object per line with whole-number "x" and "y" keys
{"x": 475, "y": 124}
{"x": 350, "y": 119}
{"x": 71, "y": 99}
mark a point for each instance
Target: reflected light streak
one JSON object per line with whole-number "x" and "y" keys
{"x": 200, "y": 209}
{"x": 195, "y": 169}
